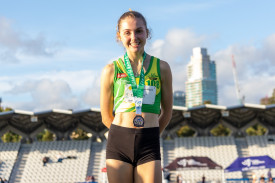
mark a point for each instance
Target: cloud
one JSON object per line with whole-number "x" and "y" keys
{"x": 268, "y": 48}
{"x": 255, "y": 64}
{"x": 255, "y": 68}
{"x": 80, "y": 88}
{"x": 91, "y": 96}
{"x": 62, "y": 90}
{"x": 14, "y": 43}
{"x": 46, "y": 94}
{"x": 177, "y": 45}
{"x": 176, "y": 49}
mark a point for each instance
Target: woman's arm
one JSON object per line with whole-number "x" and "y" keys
{"x": 106, "y": 95}
{"x": 166, "y": 95}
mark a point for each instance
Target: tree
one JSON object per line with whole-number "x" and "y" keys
{"x": 256, "y": 130}
{"x": 46, "y": 135}
{"x": 268, "y": 100}
{"x": 11, "y": 137}
{"x": 207, "y": 102}
{"x": 185, "y": 131}
{"x": 2, "y": 109}
{"x": 79, "y": 134}
{"x": 220, "y": 130}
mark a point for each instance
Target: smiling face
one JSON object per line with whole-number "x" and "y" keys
{"x": 133, "y": 34}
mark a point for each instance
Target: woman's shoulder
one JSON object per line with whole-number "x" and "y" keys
{"x": 109, "y": 67}
{"x": 164, "y": 66}
{"x": 161, "y": 62}
{"x": 108, "y": 70}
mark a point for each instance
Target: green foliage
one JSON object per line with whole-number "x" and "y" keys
{"x": 185, "y": 131}
{"x": 11, "y": 137}
{"x": 220, "y": 130}
{"x": 268, "y": 100}
{"x": 79, "y": 134}
{"x": 207, "y": 102}
{"x": 256, "y": 130}
{"x": 5, "y": 109}
{"x": 46, "y": 135}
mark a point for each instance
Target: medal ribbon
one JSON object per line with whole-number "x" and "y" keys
{"x": 137, "y": 89}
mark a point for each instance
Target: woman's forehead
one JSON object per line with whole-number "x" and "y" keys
{"x": 131, "y": 23}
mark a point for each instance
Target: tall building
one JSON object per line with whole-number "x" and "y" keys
{"x": 179, "y": 98}
{"x": 201, "y": 84}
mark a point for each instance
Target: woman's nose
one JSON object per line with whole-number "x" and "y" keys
{"x": 134, "y": 35}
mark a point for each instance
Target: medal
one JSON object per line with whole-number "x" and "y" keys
{"x": 137, "y": 89}
{"x": 138, "y": 121}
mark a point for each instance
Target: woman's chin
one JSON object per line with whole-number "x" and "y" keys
{"x": 135, "y": 49}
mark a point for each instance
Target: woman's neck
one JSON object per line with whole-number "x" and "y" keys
{"x": 135, "y": 57}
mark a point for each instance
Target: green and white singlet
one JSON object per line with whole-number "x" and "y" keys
{"x": 123, "y": 95}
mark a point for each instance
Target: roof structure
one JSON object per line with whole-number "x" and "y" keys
{"x": 200, "y": 118}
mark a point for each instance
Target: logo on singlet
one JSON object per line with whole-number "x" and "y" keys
{"x": 121, "y": 75}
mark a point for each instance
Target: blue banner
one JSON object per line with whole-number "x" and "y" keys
{"x": 251, "y": 163}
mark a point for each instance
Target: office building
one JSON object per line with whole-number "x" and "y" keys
{"x": 179, "y": 98}
{"x": 201, "y": 84}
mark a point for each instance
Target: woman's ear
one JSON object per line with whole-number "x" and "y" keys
{"x": 118, "y": 38}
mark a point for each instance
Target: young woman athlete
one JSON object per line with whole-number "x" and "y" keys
{"x": 136, "y": 86}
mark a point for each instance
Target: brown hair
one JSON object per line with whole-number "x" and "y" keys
{"x": 132, "y": 14}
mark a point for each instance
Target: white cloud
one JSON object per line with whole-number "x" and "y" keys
{"x": 91, "y": 97}
{"x": 257, "y": 87}
{"x": 13, "y": 43}
{"x": 268, "y": 49}
{"x": 255, "y": 71}
{"x": 46, "y": 94}
{"x": 176, "y": 49}
{"x": 64, "y": 90}
{"x": 255, "y": 64}
{"x": 80, "y": 88}
{"x": 177, "y": 45}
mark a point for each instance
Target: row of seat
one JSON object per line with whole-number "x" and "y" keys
{"x": 70, "y": 170}
{"x": 8, "y": 155}
{"x": 221, "y": 150}
{"x": 261, "y": 145}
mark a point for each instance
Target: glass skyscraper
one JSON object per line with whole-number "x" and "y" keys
{"x": 201, "y": 84}
{"x": 179, "y": 98}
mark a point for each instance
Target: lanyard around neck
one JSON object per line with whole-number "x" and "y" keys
{"x": 137, "y": 89}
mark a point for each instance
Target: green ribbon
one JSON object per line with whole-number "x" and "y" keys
{"x": 137, "y": 89}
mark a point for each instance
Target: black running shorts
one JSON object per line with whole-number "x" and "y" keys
{"x": 133, "y": 145}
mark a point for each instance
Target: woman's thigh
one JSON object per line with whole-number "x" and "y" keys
{"x": 119, "y": 171}
{"x": 149, "y": 172}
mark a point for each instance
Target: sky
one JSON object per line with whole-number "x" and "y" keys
{"x": 52, "y": 52}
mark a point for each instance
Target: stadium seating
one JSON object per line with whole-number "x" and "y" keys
{"x": 8, "y": 154}
{"x": 260, "y": 146}
{"x": 70, "y": 170}
{"x": 221, "y": 150}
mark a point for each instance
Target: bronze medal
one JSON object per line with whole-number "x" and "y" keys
{"x": 138, "y": 121}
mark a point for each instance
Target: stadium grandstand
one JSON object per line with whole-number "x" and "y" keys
{"x": 22, "y": 161}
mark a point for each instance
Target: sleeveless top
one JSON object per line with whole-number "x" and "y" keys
{"x": 123, "y": 95}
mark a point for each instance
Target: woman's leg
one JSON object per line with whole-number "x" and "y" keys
{"x": 119, "y": 171}
{"x": 148, "y": 172}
